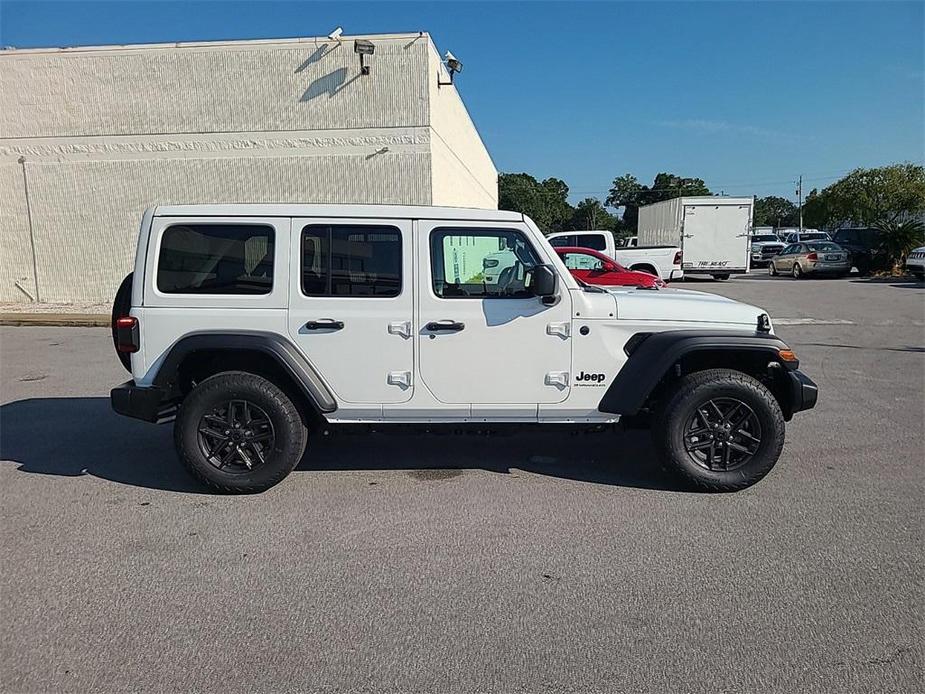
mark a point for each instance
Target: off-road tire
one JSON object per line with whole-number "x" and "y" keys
{"x": 691, "y": 392}
{"x": 289, "y": 440}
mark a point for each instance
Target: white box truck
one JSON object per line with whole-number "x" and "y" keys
{"x": 713, "y": 232}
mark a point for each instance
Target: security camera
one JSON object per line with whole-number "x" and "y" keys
{"x": 335, "y": 35}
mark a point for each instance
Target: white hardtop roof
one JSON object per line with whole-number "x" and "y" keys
{"x": 321, "y": 210}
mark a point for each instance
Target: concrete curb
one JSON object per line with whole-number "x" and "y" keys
{"x": 73, "y": 320}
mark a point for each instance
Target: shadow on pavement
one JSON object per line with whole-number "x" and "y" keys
{"x": 899, "y": 282}
{"x": 72, "y": 437}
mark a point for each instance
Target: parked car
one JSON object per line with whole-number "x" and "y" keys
{"x": 256, "y": 328}
{"x": 863, "y": 246}
{"x": 812, "y": 258}
{"x": 495, "y": 264}
{"x": 764, "y": 247}
{"x": 596, "y": 268}
{"x": 807, "y": 235}
{"x": 915, "y": 262}
{"x": 662, "y": 261}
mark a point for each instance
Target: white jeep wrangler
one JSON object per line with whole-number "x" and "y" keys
{"x": 255, "y": 325}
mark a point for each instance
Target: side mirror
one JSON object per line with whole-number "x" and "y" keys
{"x": 609, "y": 267}
{"x": 544, "y": 281}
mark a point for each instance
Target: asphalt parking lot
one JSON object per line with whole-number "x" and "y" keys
{"x": 524, "y": 563}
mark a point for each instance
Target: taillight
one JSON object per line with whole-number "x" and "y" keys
{"x": 813, "y": 257}
{"x": 677, "y": 258}
{"x": 127, "y": 334}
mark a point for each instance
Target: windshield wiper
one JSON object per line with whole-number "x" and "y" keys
{"x": 585, "y": 287}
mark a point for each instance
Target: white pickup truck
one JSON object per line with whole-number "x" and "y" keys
{"x": 662, "y": 261}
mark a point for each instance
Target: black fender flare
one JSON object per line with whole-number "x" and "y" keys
{"x": 281, "y": 350}
{"x": 652, "y": 355}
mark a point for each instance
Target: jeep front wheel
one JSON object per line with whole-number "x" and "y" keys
{"x": 237, "y": 432}
{"x": 720, "y": 429}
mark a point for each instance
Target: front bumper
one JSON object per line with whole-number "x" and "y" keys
{"x": 150, "y": 403}
{"x": 803, "y": 391}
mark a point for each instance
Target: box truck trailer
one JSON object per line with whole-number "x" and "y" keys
{"x": 713, "y": 232}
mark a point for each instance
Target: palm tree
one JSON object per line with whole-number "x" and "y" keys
{"x": 898, "y": 238}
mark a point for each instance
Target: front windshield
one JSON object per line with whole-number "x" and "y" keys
{"x": 765, "y": 237}
{"x": 810, "y": 237}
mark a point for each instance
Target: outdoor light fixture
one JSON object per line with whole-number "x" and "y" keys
{"x": 364, "y": 48}
{"x": 453, "y": 64}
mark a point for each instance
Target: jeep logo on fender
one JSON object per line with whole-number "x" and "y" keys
{"x": 584, "y": 378}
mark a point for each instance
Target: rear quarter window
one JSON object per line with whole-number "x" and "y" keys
{"x": 595, "y": 242}
{"x": 216, "y": 259}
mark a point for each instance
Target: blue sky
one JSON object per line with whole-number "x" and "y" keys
{"x": 745, "y": 95}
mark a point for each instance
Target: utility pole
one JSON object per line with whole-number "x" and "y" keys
{"x": 800, "y": 194}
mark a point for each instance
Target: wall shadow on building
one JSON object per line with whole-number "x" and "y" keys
{"x": 319, "y": 53}
{"x": 329, "y": 84}
{"x": 73, "y": 437}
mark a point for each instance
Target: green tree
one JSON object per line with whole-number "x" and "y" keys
{"x": 816, "y": 214}
{"x": 591, "y": 214}
{"x": 775, "y": 211}
{"x": 546, "y": 202}
{"x": 624, "y": 192}
{"x": 628, "y": 193}
{"x": 876, "y": 197}
{"x": 900, "y": 237}
{"x": 667, "y": 186}
{"x": 889, "y": 198}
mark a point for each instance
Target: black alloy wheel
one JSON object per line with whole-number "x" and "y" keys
{"x": 722, "y": 434}
{"x": 236, "y": 436}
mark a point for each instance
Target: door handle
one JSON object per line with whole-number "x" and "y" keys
{"x": 325, "y": 324}
{"x": 444, "y": 326}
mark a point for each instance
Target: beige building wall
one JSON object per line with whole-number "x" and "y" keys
{"x": 463, "y": 170}
{"x": 99, "y": 134}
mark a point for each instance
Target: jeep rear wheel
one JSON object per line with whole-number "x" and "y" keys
{"x": 720, "y": 430}
{"x": 238, "y": 432}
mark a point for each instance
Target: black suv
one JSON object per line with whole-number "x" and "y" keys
{"x": 863, "y": 246}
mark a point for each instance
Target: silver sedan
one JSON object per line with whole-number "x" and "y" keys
{"x": 811, "y": 258}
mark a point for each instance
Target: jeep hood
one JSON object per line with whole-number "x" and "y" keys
{"x": 683, "y": 305}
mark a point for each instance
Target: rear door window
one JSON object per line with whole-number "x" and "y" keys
{"x": 216, "y": 259}
{"x": 563, "y": 241}
{"x": 351, "y": 260}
